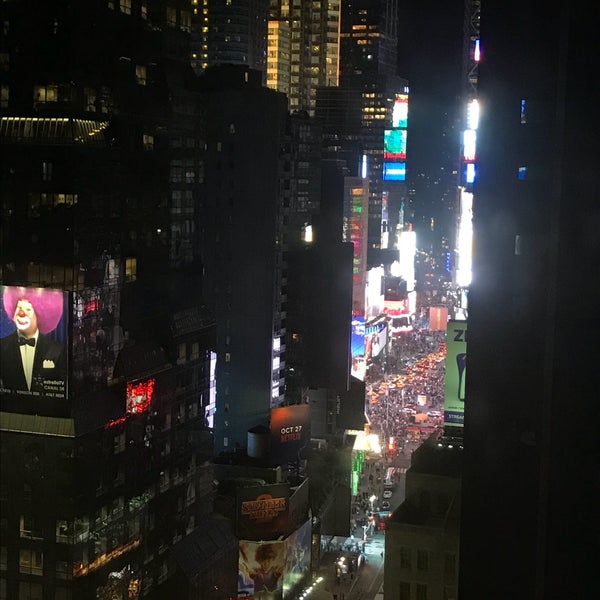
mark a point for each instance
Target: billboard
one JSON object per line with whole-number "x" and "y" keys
{"x": 262, "y": 510}
{"x": 297, "y": 558}
{"x": 260, "y": 569}
{"x": 400, "y": 111}
{"x": 34, "y": 350}
{"x": 139, "y": 396}
{"x": 394, "y": 144}
{"x": 357, "y": 348}
{"x": 394, "y": 171}
{"x": 290, "y": 433}
{"x": 456, "y": 373}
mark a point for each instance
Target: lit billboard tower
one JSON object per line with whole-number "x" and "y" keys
{"x": 464, "y": 238}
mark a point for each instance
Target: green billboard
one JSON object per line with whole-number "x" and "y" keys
{"x": 456, "y": 373}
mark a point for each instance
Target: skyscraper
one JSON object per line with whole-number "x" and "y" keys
{"x": 530, "y": 486}
{"x": 314, "y": 53}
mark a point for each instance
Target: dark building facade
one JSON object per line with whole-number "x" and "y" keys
{"x": 530, "y": 490}
{"x": 105, "y": 465}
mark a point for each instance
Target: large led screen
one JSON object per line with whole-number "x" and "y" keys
{"x": 357, "y": 348}
{"x": 33, "y": 349}
{"x": 394, "y": 144}
{"x": 394, "y": 171}
{"x": 297, "y": 558}
{"x": 400, "y": 111}
{"x": 261, "y": 567}
{"x": 456, "y": 373}
{"x": 290, "y": 433}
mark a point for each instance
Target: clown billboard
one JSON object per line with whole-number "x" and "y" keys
{"x": 33, "y": 349}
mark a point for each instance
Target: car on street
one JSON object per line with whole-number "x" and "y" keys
{"x": 385, "y": 505}
{"x": 387, "y": 494}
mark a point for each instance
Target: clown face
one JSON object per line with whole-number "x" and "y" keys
{"x": 25, "y": 318}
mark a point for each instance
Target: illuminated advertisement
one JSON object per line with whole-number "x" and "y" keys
{"x": 375, "y": 339}
{"x": 394, "y": 144}
{"x": 261, "y": 567}
{"x": 456, "y": 373}
{"x": 139, "y": 396}
{"x": 262, "y": 510}
{"x": 400, "y": 111}
{"x": 290, "y": 433}
{"x": 394, "y": 171}
{"x": 357, "y": 348}
{"x": 297, "y": 558}
{"x": 33, "y": 348}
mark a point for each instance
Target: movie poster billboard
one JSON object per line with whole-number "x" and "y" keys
{"x": 262, "y": 511}
{"x": 261, "y": 568}
{"x": 34, "y": 350}
{"x": 456, "y": 373}
{"x": 290, "y": 433}
{"x": 297, "y": 558}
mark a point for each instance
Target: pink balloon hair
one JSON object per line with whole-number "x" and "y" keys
{"x": 48, "y": 304}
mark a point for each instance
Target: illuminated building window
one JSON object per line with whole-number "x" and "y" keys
{"x": 144, "y": 10}
{"x": 31, "y": 561}
{"x": 148, "y": 141}
{"x": 140, "y": 74}
{"x": 227, "y": 357}
{"x": 523, "y": 111}
{"x": 125, "y": 6}
{"x": 64, "y": 532}
{"x": 130, "y": 269}
{"x": 522, "y": 174}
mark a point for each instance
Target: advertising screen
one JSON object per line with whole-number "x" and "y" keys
{"x": 297, "y": 558}
{"x": 400, "y": 111}
{"x": 456, "y": 373}
{"x": 394, "y": 144}
{"x": 34, "y": 350}
{"x": 394, "y": 171}
{"x": 262, "y": 510}
{"x": 290, "y": 433}
{"x": 261, "y": 567}
{"x": 357, "y": 348}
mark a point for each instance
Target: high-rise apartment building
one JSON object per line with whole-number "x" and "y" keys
{"x": 369, "y": 38}
{"x": 225, "y": 32}
{"x": 530, "y": 487}
{"x": 314, "y": 29}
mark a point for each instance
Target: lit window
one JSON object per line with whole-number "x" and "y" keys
{"x": 31, "y": 561}
{"x": 45, "y": 93}
{"x": 130, "y": 269}
{"x": 140, "y": 74}
{"x": 125, "y": 6}
{"x": 148, "y": 141}
{"x": 522, "y": 173}
{"x": 144, "y": 10}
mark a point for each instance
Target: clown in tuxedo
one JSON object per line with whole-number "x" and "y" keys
{"x": 29, "y": 358}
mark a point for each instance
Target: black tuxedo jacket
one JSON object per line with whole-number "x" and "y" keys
{"x": 48, "y": 363}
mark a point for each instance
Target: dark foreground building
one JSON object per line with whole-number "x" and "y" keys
{"x": 105, "y": 446}
{"x": 530, "y": 474}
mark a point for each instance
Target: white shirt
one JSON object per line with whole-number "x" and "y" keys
{"x": 27, "y": 356}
